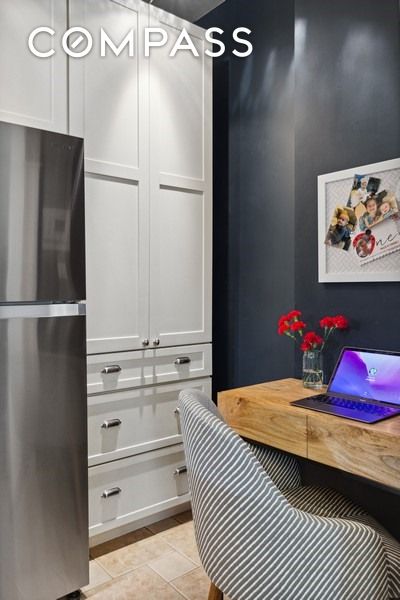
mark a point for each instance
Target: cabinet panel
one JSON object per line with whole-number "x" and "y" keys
{"x": 33, "y": 90}
{"x": 119, "y": 371}
{"x": 180, "y": 268}
{"x": 140, "y": 486}
{"x": 109, "y": 106}
{"x": 180, "y": 188}
{"x": 117, "y": 265}
{"x": 125, "y": 423}
{"x": 180, "y": 103}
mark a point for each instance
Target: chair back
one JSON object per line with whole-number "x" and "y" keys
{"x": 230, "y": 490}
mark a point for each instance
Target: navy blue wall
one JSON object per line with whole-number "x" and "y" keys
{"x": 253, "y": 194}
{"x": 320, "y": 93}
{"x": 347, "y": 114}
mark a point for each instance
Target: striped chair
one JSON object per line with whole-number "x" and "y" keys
{"x": 263, "y": 536}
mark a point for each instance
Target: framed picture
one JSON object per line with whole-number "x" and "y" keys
{"x": 359, "y": 224}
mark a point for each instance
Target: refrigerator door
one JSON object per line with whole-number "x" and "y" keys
{"x": 42, "y": 229}
{"x": 43, "y": 450}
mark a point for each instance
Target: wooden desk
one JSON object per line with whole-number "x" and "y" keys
{"x": 263, "y": 413}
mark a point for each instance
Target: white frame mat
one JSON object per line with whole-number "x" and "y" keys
{"x": 340, "y": 266}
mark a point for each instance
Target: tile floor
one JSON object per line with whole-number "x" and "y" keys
{"x": 158, "y": 562}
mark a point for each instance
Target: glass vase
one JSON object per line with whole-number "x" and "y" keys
{"x": 313, "y": 374}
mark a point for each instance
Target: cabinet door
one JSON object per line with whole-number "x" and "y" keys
{"x": 116, "y": 265}
{"x": 109, "y": 94}
{"x": 33, "y": 90}
{"x": 180, "y": 188}
{"x": 109, "y": 108}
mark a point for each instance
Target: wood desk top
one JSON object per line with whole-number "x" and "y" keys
{"x": 263, "y": 413}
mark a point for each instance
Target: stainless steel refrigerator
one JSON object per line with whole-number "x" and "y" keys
{"x": 43, "y": 427}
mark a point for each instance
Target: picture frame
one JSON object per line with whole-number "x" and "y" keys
{"x": 355, "y": 259}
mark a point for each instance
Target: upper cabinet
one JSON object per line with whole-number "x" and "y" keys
{"x": 180, "y": 187}
{"x": 109, "y": 95}
{"x": 33, "y": 91}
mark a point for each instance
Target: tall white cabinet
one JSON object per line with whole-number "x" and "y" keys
{"x": 147, "y": 126}
{"x": 180, "y": 188}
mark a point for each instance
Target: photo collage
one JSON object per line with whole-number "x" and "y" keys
{"x": 355, "y": 224}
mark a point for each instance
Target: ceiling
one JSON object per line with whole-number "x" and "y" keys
{"x": 191, "y": 10}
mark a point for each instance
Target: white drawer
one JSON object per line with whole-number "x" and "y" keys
{"x": 124, "y": 423}
{"x": 122, "y": 370}
{"x": 133, "y": 488}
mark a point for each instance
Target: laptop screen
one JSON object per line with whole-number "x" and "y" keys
{"x": 369, "y": 375}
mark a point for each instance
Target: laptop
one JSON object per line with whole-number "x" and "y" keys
{"x": 365, "y": 386}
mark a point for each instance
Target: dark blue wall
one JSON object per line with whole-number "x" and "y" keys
{"x": 320, "y": 93}
{"x": 253, "y": 194}
{"x": 347, "y": 114}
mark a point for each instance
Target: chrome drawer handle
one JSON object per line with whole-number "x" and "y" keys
{"x": 183, "y": 360}
{"x": 180, "y": 470}
{"x": 111, "y": 423}
{"x": 112, "y": 492}
{"x": 111, "y": 369}
{"x": 177, "y": 411}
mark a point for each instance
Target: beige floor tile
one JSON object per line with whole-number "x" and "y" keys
{"x": 184, "y": 517}
{"x": 182, "y": 539}
{"x": 121, "y": 561}
{"x": 163, "y": 525}
{"x": 142, "y": 584}
{"x": 97, "y": 576}
{"x": 172, "y": 565}
{"x": 120, "y": 542}
{"x": 194, "y": 585}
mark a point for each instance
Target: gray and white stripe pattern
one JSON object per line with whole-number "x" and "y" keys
{"x": 256, "y": 544}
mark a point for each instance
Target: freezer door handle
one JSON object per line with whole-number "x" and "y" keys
{"x": 42, "y": 311}
{"x": 112, "y": 492}
{"x": 111, "y": 369}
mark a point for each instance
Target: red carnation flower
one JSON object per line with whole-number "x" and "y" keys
{"x": 283, "y": 320}
{"x": 283, "y": 328}
{"x": 313, "y": 340}
{"x": 298, "y": 326}
{"x": 305, "y": 347}
{"x": 327, "y": 322}
{"x": 294, "y": 314}
{"x": 341, "y": 322}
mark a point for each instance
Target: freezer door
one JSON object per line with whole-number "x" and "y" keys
{"x": 43, "y": 450}
{"x": 42, "y": 229}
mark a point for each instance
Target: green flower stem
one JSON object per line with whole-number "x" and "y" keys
{"x": 327, "y": 334}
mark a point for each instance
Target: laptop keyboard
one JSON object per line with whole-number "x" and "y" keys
{"x": 371, "y": 409}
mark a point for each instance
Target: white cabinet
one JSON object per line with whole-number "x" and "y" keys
{"x": 147, "y": 124}
{"x": 33, "y": 90}
{"x": 180, "y": 188}
{"x": 109, "y": 108}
